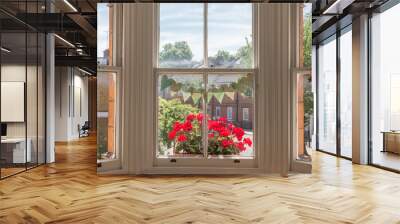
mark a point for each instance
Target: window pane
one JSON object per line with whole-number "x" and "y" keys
{"x": 15, "y": 155}
{"x": 181, "y": 35}
{"x": 180, "y": 116}
{"x": 106, "y": 120}
{"x": 103, "y": 34}
{"x": 346, "y": 94}
{"x": 327, "y": 97}
{"x": 385, "y": 88}
{"x": 307, "y": 35}
{"x": 235, "y": 136}
{"x": 304, "y": 115}
{"x": 230, "y": 35}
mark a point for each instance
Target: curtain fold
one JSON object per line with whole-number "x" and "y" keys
{"x": 138, "y": 120}
{"x": 276, "y": 59}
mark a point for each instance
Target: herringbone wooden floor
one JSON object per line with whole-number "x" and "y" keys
{"x": 71, "y": 192}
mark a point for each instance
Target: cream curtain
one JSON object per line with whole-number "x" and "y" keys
{"x": 138, "y": 83}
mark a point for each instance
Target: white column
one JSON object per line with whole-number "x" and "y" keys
{"x": 360, "y": 90}
{"x": 50, "y": 99}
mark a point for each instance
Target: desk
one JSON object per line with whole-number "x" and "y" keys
{"x": 13, "y": 150}
{"x": 391, "y": 141}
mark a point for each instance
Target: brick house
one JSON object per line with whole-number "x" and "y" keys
{"x": 238, "y": 110}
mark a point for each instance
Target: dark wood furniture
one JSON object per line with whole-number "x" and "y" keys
{"x": 391, "y": 141}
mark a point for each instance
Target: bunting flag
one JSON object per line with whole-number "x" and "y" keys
{"x": 196, "y": 97}
{"x": 219, "y": 96}
{"x": 209, "y": 97}
{"x": 231, "y": 95}
{"x": 185, "y": 95}
{"x": 173, "y": 93}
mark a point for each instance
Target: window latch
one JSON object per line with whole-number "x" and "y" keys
{"x": 173, "y": 160}
{"x": 236, "y": 161}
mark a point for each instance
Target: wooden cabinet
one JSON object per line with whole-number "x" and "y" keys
{"x": 391, "y": 142}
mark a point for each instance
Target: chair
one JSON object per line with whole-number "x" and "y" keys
{"x": 84, "y": 130}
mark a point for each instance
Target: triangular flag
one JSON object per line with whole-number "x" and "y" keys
{"x": 209, "y": 96}
{"x": 185, "y": 95}
{"x": 231, "y": 95}
{"x": 219, "y": 96}
{"x": 196, "y": 97}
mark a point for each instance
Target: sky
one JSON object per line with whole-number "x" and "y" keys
{"x": 102, "y": 28}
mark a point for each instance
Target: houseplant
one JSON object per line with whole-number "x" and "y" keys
{"x": 223, "y": 137}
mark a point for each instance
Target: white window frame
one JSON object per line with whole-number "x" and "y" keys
{"x": 185, "y": 165}
{"x": 245, "y": 114}
{"x": 120, "y": 158}
{"x": 229, "y": 113}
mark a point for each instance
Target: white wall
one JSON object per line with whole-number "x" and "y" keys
{"x": 12, "y": 73}
{"x": 69, "y": 82}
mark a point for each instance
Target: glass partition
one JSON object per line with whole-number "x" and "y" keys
{"x": 22, "y": 78}
{"x": 327, "y": 96}
{"x": 15, "y": 149}
{"x": 346, "y": 93}
{"x": 385, "y": 89}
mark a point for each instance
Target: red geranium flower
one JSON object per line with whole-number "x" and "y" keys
{"x": 190, "y": 117}
{"x": 182, "y": 138}
{"x": 241, "y": 146}
{"x": 187, "y": 126}
{"x": 224, "y": 132}
{"x": 238, "y": 133}
{"x": 213, "y": 125}
{"x": 210, "y": 135}
{"x": 247, "y": 141}
{"x": 177, "y": 126}
{"x": 222, "y": 119}
{"x": 226, "y": 143}
{"x": 200, "y": 117}
{"x": 172, "y": 135}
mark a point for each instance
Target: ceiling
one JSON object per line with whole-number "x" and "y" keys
{"x": 74, "y": 22}
{"x": 332, "y": 15}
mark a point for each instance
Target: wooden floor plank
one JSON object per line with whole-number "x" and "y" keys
{"x": 69, "y": 191}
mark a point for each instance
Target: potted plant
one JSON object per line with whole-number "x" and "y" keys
{"x": 224, "y": 138}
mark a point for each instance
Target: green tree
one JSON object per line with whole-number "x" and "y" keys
{"x": 177, "y": 51}
{"x": 221, "y": 57}
{"x": 245, "y": 54}
{"x": 307, "y": 41}
{"x": 171, "y": 111}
